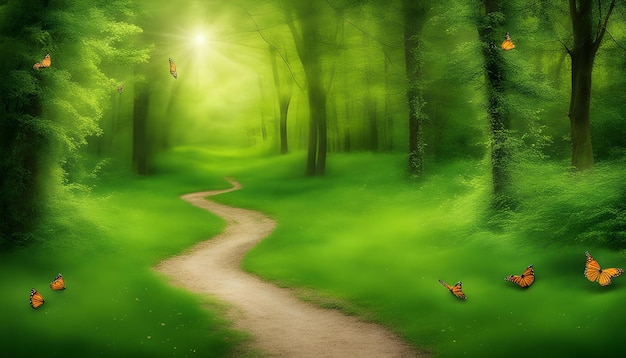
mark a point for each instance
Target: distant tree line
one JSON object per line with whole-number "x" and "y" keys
{"x": 424, "y": 79}
{"x": 581, "y": 41}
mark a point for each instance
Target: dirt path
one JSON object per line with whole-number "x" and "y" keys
{"x": 282, "y": 326}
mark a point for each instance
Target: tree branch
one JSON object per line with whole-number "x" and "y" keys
{"x": 341, "y": 15}
{"x": 283, "y": 58}
{"x": 569, "y": 52}
{"x": 573, "y": 12}
{"x": 599, "y": 26}
{"x": 615, "y": 41}
{"x": 599, "y": 37}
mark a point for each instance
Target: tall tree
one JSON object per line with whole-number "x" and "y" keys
{"x": 284, "y": 87}
{"x": 414, "y": 19}
{"x": 370, "y": 99}
{"x": 495, "y": 76}
{"x": 307, "y": 37}
{"x": 141, "y": 143}
{"x": 283, "y": 83}
{"x": 586, "y": 43}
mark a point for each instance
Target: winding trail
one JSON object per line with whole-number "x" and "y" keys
{"x": 282, "y": 325}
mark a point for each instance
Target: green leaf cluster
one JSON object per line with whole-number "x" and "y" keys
{"x": 48, "y": 114}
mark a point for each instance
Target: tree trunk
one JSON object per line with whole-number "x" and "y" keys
{"x": 371, "y": 110}
{"x": 582, "y": 152}
{"x": 307, "y": 40}
{"x": 388, "y": 112}
{"x": 316, "y": 159}
{"x": 583, "y": 54}
{"x": 320, "y": 107}
{"x": 283, "y": 86}
{"x": 499, "y": 121}
{"x": 414, "y": 19}
{"x": 284, "y": 111}
{"x": 140, "y": 128}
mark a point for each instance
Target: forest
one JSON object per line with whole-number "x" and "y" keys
{"x": 395, "y": 143}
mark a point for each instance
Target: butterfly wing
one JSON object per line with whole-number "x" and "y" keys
{"x": 529, "y": 275}
{"x": 43, "y": 63}
{"x": 456, "y": 290}
{"x": 593, "y": 271}
{"x": 58, "y": 283}
{"x": 607, "y": 274}
{"x": 507, "y": 44}
{"x": 46, "y": 61}
{"x": 592, "y": 268}
{"x": 525, "y": 279}
{"x": 38, "y": 64}
{"x": 36, "y": 300}
{"x": 173, "y": 68}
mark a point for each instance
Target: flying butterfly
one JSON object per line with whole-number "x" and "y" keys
{"x": 507, "y": 44}
{"x": 525, "y": 279}
{"x": 455, "y": 290}
{"x": 36, "y": 300}
{"x": 58, "y": 283}
{"x": 594, "y": 273}
{"x": 173, "y": 69}
{"x": 43, "y": 63}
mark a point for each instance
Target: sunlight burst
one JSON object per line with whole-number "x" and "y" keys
{"x": 199, "y": 39}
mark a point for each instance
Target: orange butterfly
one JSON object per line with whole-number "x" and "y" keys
{"x": 507, "y": 44}
{"x": 58, "y": 283}
{"x": 173, "y": 69}
{"x": 44, "y": 63}
{"x": 526, "y": 279}
{"x": 455, "y": 290}
{"x": 36, "y": 299}
{"x": 594, "y": 273}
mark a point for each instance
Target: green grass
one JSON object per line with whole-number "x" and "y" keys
{"x": 366, "y": 241}
{"x": 362, "y": 239}
{"x": 105, "y": 243}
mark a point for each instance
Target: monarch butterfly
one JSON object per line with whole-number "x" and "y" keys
{"x": 507, "y": 44}
{"x": 58, "y": 283}
{"x": 526, "y": 279}
{"x": 455, "y": 290}
{"x": 594, "y": 273}
{"x": 173, "y": 69}
{"x": 44, "y": 63}
{"x": 120, "y": 88}
{"x": 36, "y": 299}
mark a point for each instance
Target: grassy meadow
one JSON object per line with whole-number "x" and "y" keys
{"x": 105, "y": 243}
{"x": 366, "y": 241}
{"x": 362, "y": 239}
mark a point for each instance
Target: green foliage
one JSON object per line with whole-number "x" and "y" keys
{"x": 584, "y": 208}
{"x": 48, "y": 113}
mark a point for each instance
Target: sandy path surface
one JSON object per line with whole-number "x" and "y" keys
{"x": 282, "y": 325}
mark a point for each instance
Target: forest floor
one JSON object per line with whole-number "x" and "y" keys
{"x": 281, "y": 324}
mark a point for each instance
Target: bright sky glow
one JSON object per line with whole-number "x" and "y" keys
{"x": 199, "y": 39}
